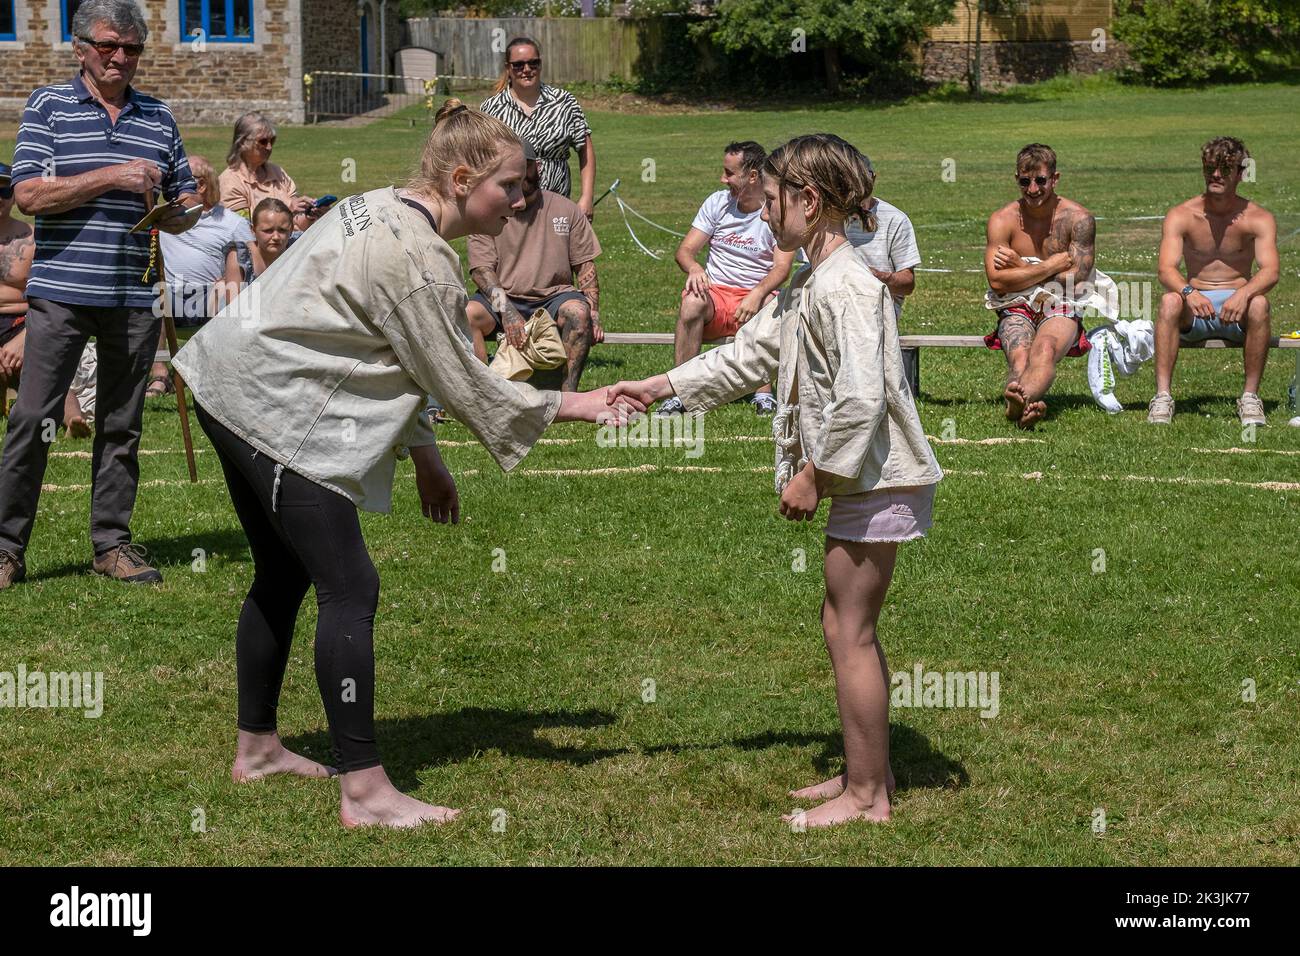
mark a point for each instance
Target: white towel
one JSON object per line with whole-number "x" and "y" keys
{"x": 1098, "y": 292}
{"x": 1122, "y": 348}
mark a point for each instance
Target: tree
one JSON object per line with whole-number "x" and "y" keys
{"x": 871, "y": 32}
{"x": 1193, "y": 41}
{"x": 980, "y": 9}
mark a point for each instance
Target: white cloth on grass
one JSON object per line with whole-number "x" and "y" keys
{"x": 1120, "y": 348}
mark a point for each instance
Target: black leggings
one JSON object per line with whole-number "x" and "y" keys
{"x": 308, "y": 535}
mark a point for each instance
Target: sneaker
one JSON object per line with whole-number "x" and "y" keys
{"x": 1251, "y": 410}
{"x": 672, "y": 406}
{"x": 1161, "y": 409}
{"x": 764, "y": 403}
{"x": 12, "y": 569}
{"x": 127, "y": 562}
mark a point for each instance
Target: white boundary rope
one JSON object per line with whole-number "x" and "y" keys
{"x": 624, "y": 208}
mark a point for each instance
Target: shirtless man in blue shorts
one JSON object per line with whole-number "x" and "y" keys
{"x": 1219, "y": 236}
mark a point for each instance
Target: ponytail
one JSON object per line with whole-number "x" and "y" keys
{"x": 841, "y": 175}
{"x": 460, "y": 137}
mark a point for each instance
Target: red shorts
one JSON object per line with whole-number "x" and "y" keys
{"x": 1026, "y": 314}
{"x": 725, "y": 298}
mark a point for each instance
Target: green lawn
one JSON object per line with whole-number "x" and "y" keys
{"x": 521, "y": 690}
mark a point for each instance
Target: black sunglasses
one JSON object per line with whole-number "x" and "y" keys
{"x": 1025, "y": 181}
{"x": 106, "y": 48}
{"x": 6, "y": 192}
{"x": 518, "y": 65}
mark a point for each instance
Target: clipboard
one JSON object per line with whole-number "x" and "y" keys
{"x": 166, "y": 211}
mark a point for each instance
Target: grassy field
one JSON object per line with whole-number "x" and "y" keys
{"x": 518, "y": 694}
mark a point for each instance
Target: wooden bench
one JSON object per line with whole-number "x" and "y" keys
{"x": 912, "y": 345}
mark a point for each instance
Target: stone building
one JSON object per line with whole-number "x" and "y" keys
{"x": 210, "y": 60}
{"x": 1030, "y": 40}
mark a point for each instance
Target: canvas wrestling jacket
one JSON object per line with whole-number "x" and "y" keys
{"x": 324, "y": 363}
{"x": 830, "y": 343}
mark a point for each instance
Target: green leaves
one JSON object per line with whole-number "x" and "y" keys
{"x": 1180, "y": 42}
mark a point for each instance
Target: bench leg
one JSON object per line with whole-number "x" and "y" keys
{"x": 912, "y": 369}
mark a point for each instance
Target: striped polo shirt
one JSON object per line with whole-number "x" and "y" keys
{"x": 85, "y": 256}
{"x": 556, "y": 125}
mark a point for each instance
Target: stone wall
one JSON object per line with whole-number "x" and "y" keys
{"x": 332, "y": 42}
{"x": 1003, "y": 64}
{"x": 213, "y": 84}
{"x": 331, "y": 37}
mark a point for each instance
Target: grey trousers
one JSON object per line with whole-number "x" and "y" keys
{"x": 126, "y": 339}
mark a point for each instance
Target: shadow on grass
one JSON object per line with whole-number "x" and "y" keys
{"x": 915, "y": 762}
{"x": 173, "y": 553}
{"x": 412, "y": 744}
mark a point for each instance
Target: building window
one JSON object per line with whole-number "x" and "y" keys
{"x": 69, "y": 11}
{"x": 222, "y": 21}
{"x": 8, "y": 24}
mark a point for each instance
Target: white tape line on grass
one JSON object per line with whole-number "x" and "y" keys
{"x": 1244, "y": 451}
{"x": 765, "y": 439}
{"x": 987, "y": 441}
{"x": 155, "y": 483}
{"x": 144, "y": 451}
{"x": 766, "y": 469}
{"x": 1039, "y": 476}
{"x": 964, "y": 473}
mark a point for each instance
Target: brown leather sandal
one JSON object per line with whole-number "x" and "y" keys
{"x": 159, "y": 385}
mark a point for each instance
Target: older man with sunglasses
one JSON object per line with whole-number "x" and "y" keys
{"x": 88, "y": 153}
{"x": 1040, "y": 240}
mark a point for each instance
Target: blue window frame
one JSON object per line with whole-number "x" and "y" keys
{"x": 8, "y": 22}
{"x": 222, "y": 21}
{"x": 69, "y": 8}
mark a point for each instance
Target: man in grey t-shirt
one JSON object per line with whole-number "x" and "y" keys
{"x": 890, "y": 251}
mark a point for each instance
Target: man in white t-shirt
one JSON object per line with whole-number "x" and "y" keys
{"x": 890, "y": 252}
{"x": 744, "y": 270}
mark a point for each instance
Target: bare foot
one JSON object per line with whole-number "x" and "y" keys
{"x": 73, "y": 420}
{"x": 261, "y": 755}
{"x": 1034, "y": 412}
{"x": 1015, "y": 396}
{"x": 370, "y": 799}
{"x": 842, "y": 809}
{"x": 833, "y": 788}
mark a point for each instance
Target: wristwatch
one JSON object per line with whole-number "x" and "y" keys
{"x": 1187, "y": 290}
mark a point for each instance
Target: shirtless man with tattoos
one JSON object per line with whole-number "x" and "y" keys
{"x": 544, "y": 258}
{"x": 1040, "y": 238}
{"x": 17, "y": 247}
{"x": 1219, "y": 236}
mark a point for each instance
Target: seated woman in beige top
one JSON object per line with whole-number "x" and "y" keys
{"x": 250, "y": 175}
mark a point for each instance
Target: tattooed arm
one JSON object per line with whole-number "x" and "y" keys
{"x": 1078, "y": 236}
{"x": 1006, "y": 270}
{"x": 16, "y": 262}
{"x": 590, "y": 287}
{"x": 485, "y": 277}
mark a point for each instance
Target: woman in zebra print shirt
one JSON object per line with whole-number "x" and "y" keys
{"x": 548, "y": 117}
